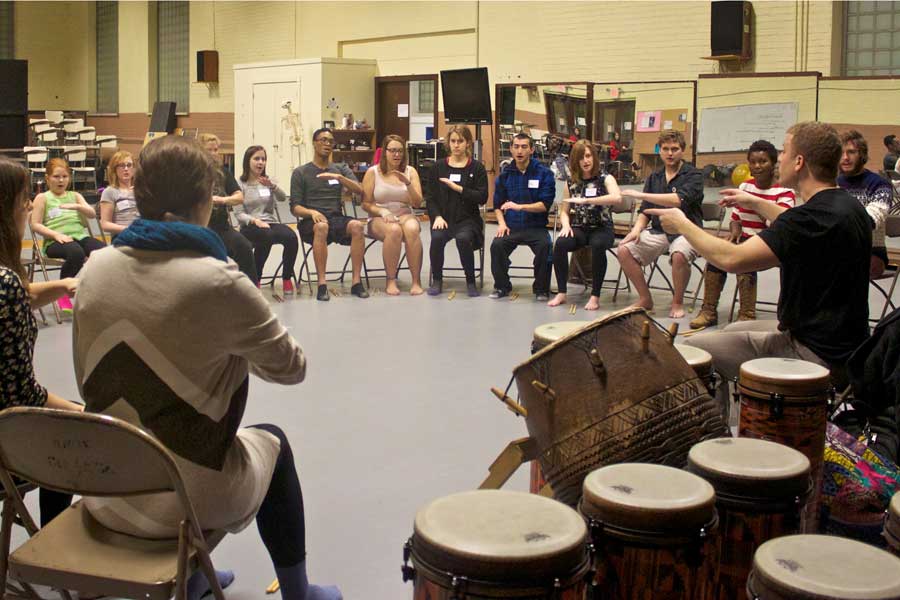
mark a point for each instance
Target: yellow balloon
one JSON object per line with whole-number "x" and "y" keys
{"x": 740, "y": 174}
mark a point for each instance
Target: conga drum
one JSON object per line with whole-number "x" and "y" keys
{"x": 653, "y": 529}
{"x": 497, "y": 544}
{"x": 544, "y": 335}
{"x": 761, "y": 488}
{"x": 785, "y": 400}
{"x": 614, "y": 391}
{"x": 581, "y": 266}
{"x": 892, "y": 524}
{"x": 822, "y": 567}
{"x": 701, "y": 362}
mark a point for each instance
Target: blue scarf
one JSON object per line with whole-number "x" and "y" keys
{"x": 144, "y": 234}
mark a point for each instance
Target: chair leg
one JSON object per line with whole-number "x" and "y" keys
{"x": 207, "y": 567}
{"x": 733, "y": 304}
{"x": 699, "y": 283}
{"x": 5, "y": 536}
{"x": 889, "y": 295}
{"x": 181, "y": 574}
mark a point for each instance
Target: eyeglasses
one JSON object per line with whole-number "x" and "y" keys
{"x": 326, "y": 141}
{"x": 395, "y": 150}
{"x": 125, "y": 166}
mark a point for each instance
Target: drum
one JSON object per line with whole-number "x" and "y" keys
{"x": 761, "y": 488}
{"x": 614, "y": 391}
{"x": 821, "y": 567}
{"x": 497, "y": 544}
{"x": 785, "y": 400}
{"x": 544, "y": 335}
{"x": 653, "y": 529}
{"x": 701, "y": 362}
{"x": 892, "y": 524}
{"x": 581, "y": 267}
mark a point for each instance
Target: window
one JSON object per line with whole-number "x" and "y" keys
{"x": 7, "y": 42}
{"x": 426, "y": 96}
{"x": 565, "y": 113}
{"x": 173, "y": 78}
{"x": 107, "y": 57}
{"x": 872, "y": 42}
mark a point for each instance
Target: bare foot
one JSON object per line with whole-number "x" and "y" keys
{"x": 391, "y": 288}
{"x": 416, "y": 290}
{"x": 557, "y": 300}
{"x": 593, "y": 303}
{"x": 677, "y": 311}
{"x": 645, "y": 304}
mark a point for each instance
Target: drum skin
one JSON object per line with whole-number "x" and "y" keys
{"x": 761, "y": 488}
{"x": 798, "y": 419}
{"x": 620, "y": 404}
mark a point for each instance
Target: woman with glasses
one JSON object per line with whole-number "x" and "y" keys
{"x": 117, "y": 206}
{"x": 391, "y": 189}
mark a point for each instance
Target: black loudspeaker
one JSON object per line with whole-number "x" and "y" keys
{"x": 13, "y": 131}
{"x": 729, "y": 31}
{"x": 507, "y": 105}
{"x": 163, "y": 118}
{"x": 14, "y": 103}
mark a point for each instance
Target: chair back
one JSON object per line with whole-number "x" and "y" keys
{"x": 35, "y": 156}
{"x": 54, "y": 116}
{"x": 76, "y": 154}
{"x": 107, "y": 141}
{"x": 83, "y": 453}
{"x": 73, "y": 126}
{"x": 892, "y": 226}
{"x": 713, "y": 212}
{"x": 48, "y": 136}
{"x": 88, "y": 134}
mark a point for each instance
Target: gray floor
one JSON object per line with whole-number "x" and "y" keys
{"x": 396, "y": 410}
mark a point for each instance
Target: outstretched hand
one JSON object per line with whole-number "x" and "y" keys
{"x": 734, "y": 197}
{"x": 671, "y": 219}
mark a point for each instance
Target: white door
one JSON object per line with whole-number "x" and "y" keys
{"x": 272, "y": 126}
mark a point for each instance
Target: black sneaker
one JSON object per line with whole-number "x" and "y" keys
{"x": 437, "y": 286}
{"x": 323, "y": 294}
{"x": 542, "y": 297}
{"x": 499, "y": 294}
{"x": 472, "y": 290}
{"x": 359, "y": 291}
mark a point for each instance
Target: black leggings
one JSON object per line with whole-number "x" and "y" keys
{"x": 240, "y": 251}
{"x": 600, "y": 240}
{"x": 280, "y": 518}
{"x": 264, "y": 239}
{"x": 74, "y": 253}
{"x": 466, "y": 242}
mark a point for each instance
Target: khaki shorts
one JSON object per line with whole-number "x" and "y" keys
{"x": 650, "y": 246}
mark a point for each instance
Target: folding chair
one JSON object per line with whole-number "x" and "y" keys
{"x": 306, "y": 250}
{"x": 72, "y": 129}
{"x": 78, "y": 159}
{"x": 46, "y": 264}
{"x": 892, "y": 230}
{"x": 36, "y": 159}
{"x": 95, "y": 455}
{"x": 712, "y": 212}
{"x": 479, "y": 269}
{"x": 30, "y": 264}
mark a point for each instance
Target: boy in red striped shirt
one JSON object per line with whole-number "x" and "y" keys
{"x": 745, "y": 223}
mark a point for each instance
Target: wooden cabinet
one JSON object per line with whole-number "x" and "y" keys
{"x": 356, "y": 147}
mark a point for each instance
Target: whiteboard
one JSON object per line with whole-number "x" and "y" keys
{"x": 735, "y": 128}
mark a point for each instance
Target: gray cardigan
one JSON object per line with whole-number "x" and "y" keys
{"x": 258, "y": 205}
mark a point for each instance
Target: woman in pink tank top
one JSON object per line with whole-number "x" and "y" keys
{"x": 391, "y": 189}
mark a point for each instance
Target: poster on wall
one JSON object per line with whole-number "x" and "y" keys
{"x": 650, "y": 120}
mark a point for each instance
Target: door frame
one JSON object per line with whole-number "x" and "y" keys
{"x": 394, "y": 79}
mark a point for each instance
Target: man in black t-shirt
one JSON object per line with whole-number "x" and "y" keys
{"x": 822, "y": 248}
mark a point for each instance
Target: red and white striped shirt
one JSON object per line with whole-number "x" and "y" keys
{"x": 752, "y": 223}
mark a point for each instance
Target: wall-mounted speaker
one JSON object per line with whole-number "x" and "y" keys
{"x": 730, "y": 27}
{"x": 207, "y": 66}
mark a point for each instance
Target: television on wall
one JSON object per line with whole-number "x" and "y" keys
{"x": 467, "y": 96}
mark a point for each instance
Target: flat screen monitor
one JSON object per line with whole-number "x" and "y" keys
{"x": 467, "y": 96}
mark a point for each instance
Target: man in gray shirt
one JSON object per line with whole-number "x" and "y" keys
{"x": 316, "y": 202}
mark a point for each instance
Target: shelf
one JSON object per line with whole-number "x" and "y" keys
{"x": 352, "y": 151}
{"x": 726, "y": 57}
{"x": 352, "y": 131}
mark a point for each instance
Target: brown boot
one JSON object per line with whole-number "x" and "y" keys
{"x": 747, "y": 289}
{"x": 712, "y": 289}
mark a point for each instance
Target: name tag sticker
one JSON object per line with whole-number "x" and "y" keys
{"x": 264, "y": 192}
{"x": 533, "y": 184}
{"x": 590, "y": 192}
{"x": 126, "y": 204}
{"x": 334, "y": 182}
{"x": 455, "y": 177}
{"x": 54, "y": 212}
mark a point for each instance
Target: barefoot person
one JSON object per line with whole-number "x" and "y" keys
{"x": 678, "y": 184}
{"x": 391, "y": 189}
{"x": 586, "y": 221}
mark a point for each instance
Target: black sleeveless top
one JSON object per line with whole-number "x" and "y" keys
{"x": 587, "y": 215}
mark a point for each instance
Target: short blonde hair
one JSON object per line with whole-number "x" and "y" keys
{"x": 205, "y": 138}
{"x": 118, "y": 157}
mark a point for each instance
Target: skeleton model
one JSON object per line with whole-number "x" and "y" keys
{"x": 291, "y": 123}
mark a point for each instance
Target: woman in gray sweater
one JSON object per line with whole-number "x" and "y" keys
{"x": 258, "y": 219}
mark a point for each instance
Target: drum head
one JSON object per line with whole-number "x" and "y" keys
{"x": 694, "y": 356}
{"x": 646, "y": 497}
{"x": 786, "y": 376}
{"x": 751, "y": 468}
{"x": 485, "y": 534}
{"x": 824, "y": 568}
{"x": 550, "y": 332}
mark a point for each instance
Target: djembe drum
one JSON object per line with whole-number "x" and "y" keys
{"x": 653, "y": 529}
{"x": 822, "y": 567}
{"x": 545, "y": 335}
{"x": 761, "y": 488}
{"x": 785, "y": 400}
{"x": 892, "y": 524}
{"x": 701, "y": 362}
{"x": 614, "y": 391}
{"x": 497, "y": 544}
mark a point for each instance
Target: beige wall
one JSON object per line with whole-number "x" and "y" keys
{"x": 135, "y": 46}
